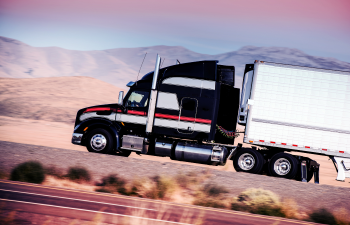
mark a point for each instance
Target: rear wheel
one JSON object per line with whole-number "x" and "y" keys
{"x": 283, "y": 165}
{"x": 100, "y": 141}
{"x": 248, "y": 160}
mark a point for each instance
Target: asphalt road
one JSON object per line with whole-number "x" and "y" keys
{"x": 116, "y": 209}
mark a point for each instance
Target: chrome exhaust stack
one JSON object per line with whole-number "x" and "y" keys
{"x": 153, "y": 98}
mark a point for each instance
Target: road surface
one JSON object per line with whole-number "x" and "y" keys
{"x": 117, "y": 209}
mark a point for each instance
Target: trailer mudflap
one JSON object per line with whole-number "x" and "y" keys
{"x": 342, "y": 166}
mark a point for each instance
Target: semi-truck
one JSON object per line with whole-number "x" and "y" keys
{"x": 189, "y": 112}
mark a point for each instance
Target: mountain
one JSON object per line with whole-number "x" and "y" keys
{"x": 121, "y": 65}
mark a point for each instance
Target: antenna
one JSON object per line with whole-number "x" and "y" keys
{"x": 162, "y": 63}
{"x": 141, "y": 67}
{"x": 177, "y": 61}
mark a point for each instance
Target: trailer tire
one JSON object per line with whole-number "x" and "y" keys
{"x": 283, "y": 165}
{"x": 248, "y": 160}
{"x": 100, "y": 141}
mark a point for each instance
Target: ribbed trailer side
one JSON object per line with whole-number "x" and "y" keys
{"x": 297, "y": 108}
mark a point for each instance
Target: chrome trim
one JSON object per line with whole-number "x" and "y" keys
{"x": 130, "y": 84}
{"x": 282, "y": 166}
{"x": 246, "y": 161}
{"x": 76, "y": 127}
{"x": 163, "y": 148}
{"x": 156, "y": 72}
{"x": 133, "y": 143}
{"x": 153, "y": 98}
{"x": 231, "y": 153}
{"x": 98, "y": 142}
{"x": 76, "y": 138}
{"x": 121, "y": 97}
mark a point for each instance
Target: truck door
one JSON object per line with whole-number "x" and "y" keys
{"x": 137, "y": 106}
{"x": 187, "y": 116}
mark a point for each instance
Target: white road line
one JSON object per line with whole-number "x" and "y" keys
{"x": 105, "y": 203}
{"x": 93, "y": 211}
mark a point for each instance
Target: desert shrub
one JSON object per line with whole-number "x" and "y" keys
{"x": 165, "y": 186}
{"x": 322, "y": 215}
{"x": 211, "y": 195}
{"x": 258, "y": 201}
{"x": 206, "y": 201}
{"x": 214, "y": 190}
{"x": 78, "y": 174}
{"x": 113, "y": 184}
{"x": 186, "y": 180}
{"x": 31, "y": 171}
{"x": 159, "y": 187}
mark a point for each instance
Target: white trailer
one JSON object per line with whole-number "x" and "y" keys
{"x": 294, "y": 108}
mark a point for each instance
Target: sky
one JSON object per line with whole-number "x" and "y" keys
{"x": 317, "y": 27}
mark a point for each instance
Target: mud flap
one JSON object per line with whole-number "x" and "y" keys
{"x": 342, "y": 166}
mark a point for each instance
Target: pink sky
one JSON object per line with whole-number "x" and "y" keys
{"x": 320, "y": 27}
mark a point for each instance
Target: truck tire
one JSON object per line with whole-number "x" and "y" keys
{"x": 248, "y": 160}
{"x": 100, "y": 141}
{"x": 283, "y": 165}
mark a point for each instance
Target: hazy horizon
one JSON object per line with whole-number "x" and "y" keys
{"x": 316, "y": 27}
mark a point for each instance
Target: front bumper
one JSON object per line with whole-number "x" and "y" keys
{"x": 76, "y": 138}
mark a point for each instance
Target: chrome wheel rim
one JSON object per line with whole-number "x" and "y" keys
{"x": 282, "y": 166}
{"x": 98, "y": 142}
{"x": 246, "y": 161}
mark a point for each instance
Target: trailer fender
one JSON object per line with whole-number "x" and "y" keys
{"x": 88, "y": 125}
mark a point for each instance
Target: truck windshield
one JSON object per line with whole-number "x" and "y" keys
{"x": 138, "y": 99}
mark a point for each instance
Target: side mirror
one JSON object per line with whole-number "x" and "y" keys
{"x": 121, "y": 97}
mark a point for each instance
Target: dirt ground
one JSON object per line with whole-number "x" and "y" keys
{"x": 58, "y": 135}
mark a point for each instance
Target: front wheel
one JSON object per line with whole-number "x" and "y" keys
{"x": 100, "y": 141}
{"x": 283, "y": 165}
{"x": 248, "y": 160}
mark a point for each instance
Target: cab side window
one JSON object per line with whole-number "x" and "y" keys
{"x": 138, "y": 99}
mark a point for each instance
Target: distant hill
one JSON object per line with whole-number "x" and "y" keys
{"x": 118, "y": 66}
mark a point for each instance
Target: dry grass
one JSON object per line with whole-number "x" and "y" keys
{"x": 211, "y": 195}
{"x": 342, "y": 216}
{"x": 290, "y": 209}
{"x": 3, "y": 175}
{"x": 258, "y": 201}
{"x": 57, "y": 182}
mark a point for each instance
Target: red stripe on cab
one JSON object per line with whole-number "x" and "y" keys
{"x": 183, "y": 118}
{"x": 134, "y": 112}
{"x": 100, "y": 109}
